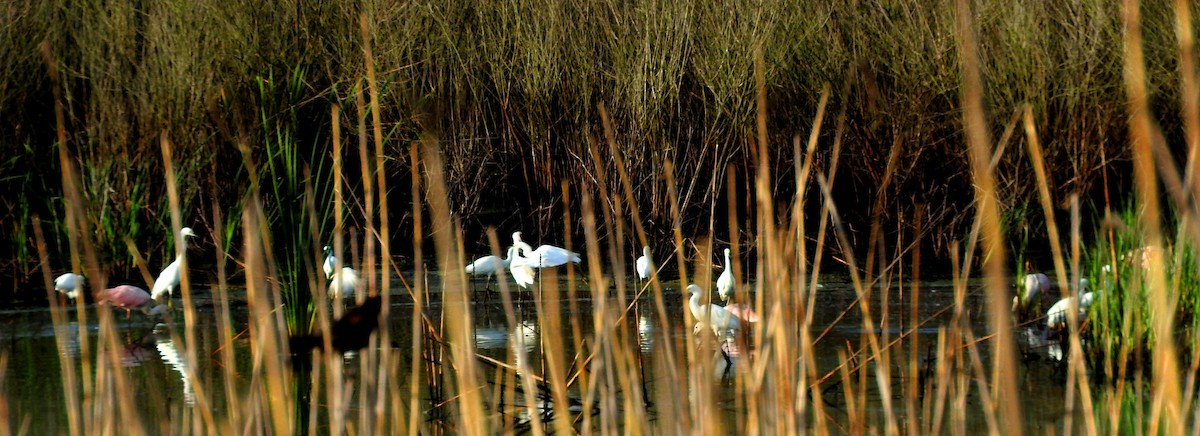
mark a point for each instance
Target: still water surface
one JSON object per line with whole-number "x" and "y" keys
{"x": 153, "y": 358}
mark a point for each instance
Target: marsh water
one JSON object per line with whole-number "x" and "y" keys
{"x": 33, "y": 383}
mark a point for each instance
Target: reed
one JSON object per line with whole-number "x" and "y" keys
{"x": 677, "y": 80}
{"x": 583, "y": 368}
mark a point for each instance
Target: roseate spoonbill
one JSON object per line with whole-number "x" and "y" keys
{"x": 69, "y": 284}
{"x": 127, "y": 297}
{"x": 725, "y": 281}
{"x": 168, "y": 279}
{"x": 743, "y": 312}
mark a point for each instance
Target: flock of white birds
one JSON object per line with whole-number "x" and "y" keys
{"x": 724, "y": 321}
{"x": 522, "y": 260}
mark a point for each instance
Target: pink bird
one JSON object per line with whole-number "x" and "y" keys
{"x": 126, "y": 297}
{"x": 743, "y": 312}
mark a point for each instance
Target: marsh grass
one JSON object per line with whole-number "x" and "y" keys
{"x": 593, "y": 378}
{"x": 515, "y": 87}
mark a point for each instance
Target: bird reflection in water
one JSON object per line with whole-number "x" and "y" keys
{"x": 171, "y": 356}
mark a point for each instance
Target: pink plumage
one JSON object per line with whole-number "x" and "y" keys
{"x": 743, "y": 312}
{"x": 125, "y": 296}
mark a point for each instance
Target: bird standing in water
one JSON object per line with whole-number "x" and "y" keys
{"x": 725, "y": 281}
{"x": 545, "y": 256}
{"x": 128, "y": 297}
{"x": 69, "y": 284}
{"x": 350, "y": 332}
{"x": 168, "y": 279}
{"x": 644, "y": 265}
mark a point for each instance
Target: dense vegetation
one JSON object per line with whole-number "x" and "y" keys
{"x": 512, "y": 89}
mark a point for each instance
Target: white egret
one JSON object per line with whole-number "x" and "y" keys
{"x": 330, "y": 262}
{"x": 523, "y": 274}
{"x": 545, "y": 256}
{"x": 645, "y": 264}
{"x": 519, "y": 267}
{"x": 722, "y": 322}
{"x": 69, "y": 284}
{"x": 491, "y": 264}
{"x": 521, "y": 244}
{"x": 1056, "y": 317}
{"x": 172, "y": 356}
{"x": 343, "y": 283}
{"x": 168, "y": 279}
{"x": 725, "y": 281}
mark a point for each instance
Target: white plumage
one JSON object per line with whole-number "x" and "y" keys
{"x": 644, "y": 265}
{"x": 69, "y": 284}
{"x": 1056, "y": 317}
{"x": 722, "y": 322}
{"x": 725, "y": 281}
{"x": 545, "y": 256}
{"x": 168, "y": 279}
{"x": 523, "y": 274}
{"x": 343, "y": 283}
{"x": 330, "y": 262}
{"x": 490, "y": 265}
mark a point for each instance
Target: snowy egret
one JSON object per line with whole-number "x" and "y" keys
{"x": 725, "y": 281}
{"x": 168, "y": 279}
{"x": 644, "y": 264}
{"x": 490, "y": 265}
{"x": 128, "y": 297}
{"x": 1056, "y": 317}
{"x": 545, "y": 256}
{"x": 523, "y": 274}
{"x": 173, "y": 357}
{"x": 521, "y": 244}
{"x": 343, "y": 283}
{"x": 720, "y": 320}
{"x": 330, "y": 262}
{"x": 69, "y": 284}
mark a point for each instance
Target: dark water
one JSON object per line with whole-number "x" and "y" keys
{"x": 152, "y": 357}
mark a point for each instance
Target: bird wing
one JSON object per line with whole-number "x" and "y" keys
{"x": 166, "y": 281}
{"x": 643, "y": 267}
{"x": 523, "y": 274}
{"x": 725, "y": 284}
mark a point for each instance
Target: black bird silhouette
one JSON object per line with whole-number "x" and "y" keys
{"x": 350, "y": 332}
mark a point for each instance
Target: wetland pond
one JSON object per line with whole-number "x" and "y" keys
{"x": 152, "y": 356}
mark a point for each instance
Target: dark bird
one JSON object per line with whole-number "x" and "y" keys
{"x": 350, "y": 332}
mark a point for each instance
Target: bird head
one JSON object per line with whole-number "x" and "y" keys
{"x": 187, "y": 231}
{"x": 516, "y": 236}
{"x": 327, "y": 249}
{"x": 694, "y": 289}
